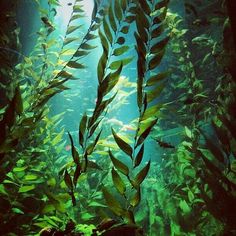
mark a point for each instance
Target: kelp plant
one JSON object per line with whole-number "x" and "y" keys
{"x": 41, "y": 76}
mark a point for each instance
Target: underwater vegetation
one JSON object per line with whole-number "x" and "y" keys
{"x": 118, "y": 122}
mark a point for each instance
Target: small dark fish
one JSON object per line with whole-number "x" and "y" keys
{"x": 69, "y": 4}
{"x": 47, "y": 23}
{"x": 164, "y": 144}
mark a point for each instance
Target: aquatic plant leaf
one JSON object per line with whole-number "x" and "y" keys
{"x": 145, "y": 7}
{"x": 74, "y": 152}
{"x": 146, "y": 130}
{"x": 161, "y": 4}
{"x": 116, "y": 64}
{"x": 139, "y": 178}
{"x": 107, "y": 31}
{"x": 58, "y": 138}
{"x": 71, "y": 29}
{"x": 159, "y": 46}
{"x": 26, "y": 188}
{"x": 153, "y": 94}
{"x": 151, "y": 112}
{"x": 110, "y": 81}
{"x": 119, "y": 165}
{"x": 214, "y": 149}
{"x": 136, "y": 198}
{"x": 140, "y": 92}
{"x": 120, "y": 40}
{"x": 77, "y": 174}
{"x": 157, "y": 31}
{"x": 18, "y": 101}
{"x": 68, "y": 180}
{"x": 82, "y": 128}
{"x": 90, "y": 36}
{"x": 121, "y": 50}
{"x": 87, "y": 46}
{"x": 188, "y": 132}
{"x": 142, "y": 20}
{"x": 118, "y": 10}
{"x": 229, "y": 124}
{"x": 74, "y": 64}
{"x": 139, "y": 156}
{"x": 77, "y": 8}
{"x": 112, "y": 203}
{"x": 141, "y": 48}
{"x": 125, "y": 29}
{"x": 157, "y": 78}
{"x": 80, "y": 53}
{"x": 118, "y": 182}
{"x": 155, "y": 61}
{"x": 142, "y": 31}
{"x": 64, "y": 74}
{"x": 112, "y": 18}
{"x": 102, "y": 65}
{"x": 125, "y": 147}
{"x": 75, "y": 17}
{"x": 184, "y": 206}
{"x": 222, "y": 135}
{"x": 91, "y": 147}
{"x": 94, "y": 127}
{"x": 69, "y": 40}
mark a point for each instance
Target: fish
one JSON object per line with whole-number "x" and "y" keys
{"x": 68, "y": 147}
{"x": 47, "y": 23}
{"x": 164, "y": 144}
{"x": 69, "y": 4}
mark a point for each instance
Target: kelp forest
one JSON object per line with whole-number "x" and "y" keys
{"x": 117, "y": 117}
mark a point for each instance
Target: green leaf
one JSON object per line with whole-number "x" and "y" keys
{"x": 112, "y": 19}
{"x": 118, "y": 10}
{"x": 71, "y": 29}
{"x": 145, "y": 131}
{"x": 110, "y": 81}
{"x": 188, "y": 132}
{"x": 135, "y": 200}
{"x": 156, "y": 60}
{"x": 118, "y": 182}
{"x": 112, "y": 203}
{"x": 107, "y": 30}
{"x": 139, "y": 178}
{"x": 87, "y": 46}
{"x": 125, "y": 147}
{"x": 184, "y": 207}
{"x": 153, "y": 80}
{"x": 121, "y": 50}
{"x": 116, "y": 64}
{"x": 69, "y": 40}
{"x": 26, "y": 188}
{"x": 74, "y": 64}
{"x": 139, "y": 156}
{"x": 125, "y": 29}
{"x": 119, "y": 165}
{"x": 91, "y": 147}
{"x": 154, "y": 93}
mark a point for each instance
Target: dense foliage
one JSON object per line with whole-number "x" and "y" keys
{"x": 102, "y": 183}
